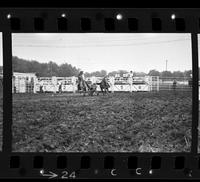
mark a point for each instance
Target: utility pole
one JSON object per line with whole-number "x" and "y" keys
{"x": 51, "y": 69}
{"x": 166, "y": 64}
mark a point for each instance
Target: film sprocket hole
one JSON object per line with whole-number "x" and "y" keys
{"x": 99, "y": 93}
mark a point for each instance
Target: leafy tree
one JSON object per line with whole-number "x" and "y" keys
{"x": 113, "y": 73}
{"x": 166, "y": 74}
{"x": 154, "y": 73}
{"x": 187, "y": 73}
{"x": 139, "y": 74}
{"x": 66, "y": 70}
{"x": 43, "y": 69}
{"x": 178, "y": 74}
{"x": 121, "y": 72}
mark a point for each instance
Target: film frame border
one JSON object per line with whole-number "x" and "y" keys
{"x": 143, "y": 21}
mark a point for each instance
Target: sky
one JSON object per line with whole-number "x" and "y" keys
{"x": 1, "y": 50}
{"x": 90, "y": 52}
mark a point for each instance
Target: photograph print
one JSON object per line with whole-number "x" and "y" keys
{"x": 100, "y": 92}
{"x": 1, "y": 92}
{"x": 199, "y": 94}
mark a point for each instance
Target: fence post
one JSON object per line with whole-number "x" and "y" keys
{"x": 54, "y": 82}
{"x": 34, "y": 84}
{"x": 131, "y": 83}
{"x": 74, "y": 84}
{"x": 112, "y": 81}
{"x": 158, "y": 82}
{"x": 151, "y": 82}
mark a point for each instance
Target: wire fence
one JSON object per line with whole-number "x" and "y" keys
{"x": 175, "y": 83}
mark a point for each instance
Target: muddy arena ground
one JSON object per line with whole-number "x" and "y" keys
{"x": 119, "y": 122}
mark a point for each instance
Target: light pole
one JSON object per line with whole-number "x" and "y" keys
{"x": 51, "y": 69}
{"x": 166, "y": 64}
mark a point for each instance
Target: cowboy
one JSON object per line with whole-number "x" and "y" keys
{"x": 130, "y": 79}
{"x": 60, "y": 88}
{"x": 104, "y": 85}
{"x": 41, "y": 89}
{"x": 131, "y": 74}
{"x": 105, "y": 80}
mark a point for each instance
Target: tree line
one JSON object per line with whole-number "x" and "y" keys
{"x": 153, "y": 72}
{"x": 43, "y": 69}
{"x": 66, "y": 70}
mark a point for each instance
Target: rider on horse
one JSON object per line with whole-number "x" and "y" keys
{"x": 81, "y": 81}
{"x": 105, "y": 81}
{"x": 104, "y": 85}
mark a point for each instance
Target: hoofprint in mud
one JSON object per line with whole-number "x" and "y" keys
{"x": 118, "y": 122}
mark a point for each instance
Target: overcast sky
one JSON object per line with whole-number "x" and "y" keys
{"x": 111, "y": 51}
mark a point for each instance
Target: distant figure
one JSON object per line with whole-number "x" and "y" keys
{"x": 174, "y": 85}
{"x": 41, "y": 89}
{"x": 131, "y": 74}
{"x": 130, "y": 77}
{"x": 60, "y": 88}
{"x": 190, "y": 82}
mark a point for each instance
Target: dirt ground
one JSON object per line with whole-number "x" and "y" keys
{"x": 119, "y": 122}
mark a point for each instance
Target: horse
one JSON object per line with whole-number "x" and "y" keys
{"x": 82, "y": 87}
{"x": 104, "y": 86}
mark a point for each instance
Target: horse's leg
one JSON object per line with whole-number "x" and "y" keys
{"x": 103, "y": 91}
{"x": 97, "y": 92}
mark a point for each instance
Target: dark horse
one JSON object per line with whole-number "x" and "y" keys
{"x": 104, "y": 86}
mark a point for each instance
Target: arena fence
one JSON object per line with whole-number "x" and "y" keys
{"x": 178, "y": 83}
{"x": 29, "y": 83}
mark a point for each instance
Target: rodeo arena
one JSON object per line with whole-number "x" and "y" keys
{"x": 137, "y": 114}
{"x": 30, "y": 83}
